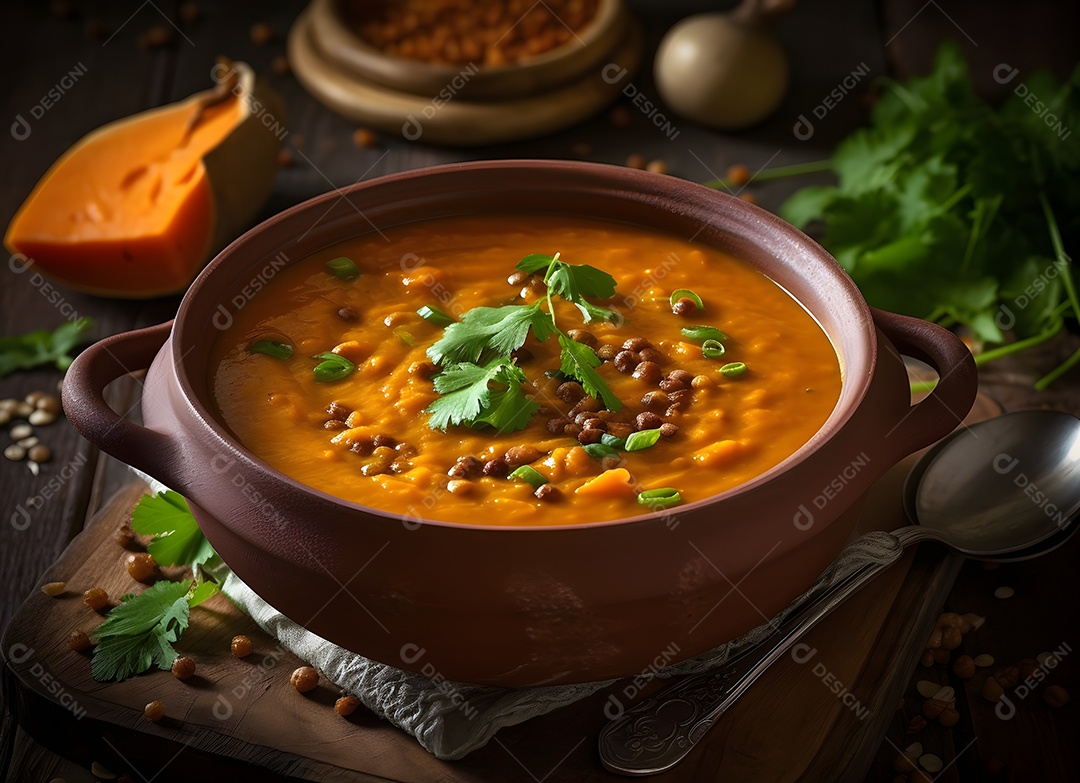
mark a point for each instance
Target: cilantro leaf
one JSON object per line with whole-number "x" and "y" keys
{"x": 177, "y": 538}
{"x": 468, "y": 396}
{"x": 573, "y": 282}
{"x": 41, "y": 347}
{"x": 531, "y": 264}
{"x": 139, "y": 632}
{"x": 486, "y": 330}
{"x": 579, "y": 360}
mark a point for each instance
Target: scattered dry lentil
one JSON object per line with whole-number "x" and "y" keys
{"x": 241, "y": 646}
{"x": 154, "y": 711}
{"x": 183, "y": 668}
{"x": 304, "y": 679}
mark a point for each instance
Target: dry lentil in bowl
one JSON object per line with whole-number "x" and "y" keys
{"x": 488, "y": 33}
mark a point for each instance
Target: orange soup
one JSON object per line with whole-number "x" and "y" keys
{"x": 523, "y": 370}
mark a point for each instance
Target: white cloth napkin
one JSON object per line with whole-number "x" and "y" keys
{"x": 450, "y": 719}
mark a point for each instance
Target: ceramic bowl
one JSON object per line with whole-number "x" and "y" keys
{"x": 526, "y": 606}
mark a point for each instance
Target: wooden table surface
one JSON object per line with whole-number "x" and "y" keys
{"x": 117, "y": 77}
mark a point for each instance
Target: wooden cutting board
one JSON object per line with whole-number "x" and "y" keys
{"x": 236, "y": 713}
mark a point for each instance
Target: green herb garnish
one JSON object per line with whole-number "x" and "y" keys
{"x": 140, "y": 631}
{"x": 600, "y": 450}
{"x": 712, "y": 349}
{"x": 612, "y": 440}
{"x": 474, "y": 395}
{"x": 530, "y": 475}
{"x": 686, "y": 293}
{"x": 343, "y": 268}
{"x": 42, "y": 347}
{"x": 657, "y": 499}
{"x": 404, "y": 335}
{"x": 642, "y": 439}
{"x": 433, "y": 315}
{"x": 333, "y": 367}
{"x": 177, "y": 538}
{"x": 733, "y": 369}
{"x": 700, "y": 333}
{"x": 271, "y": 348}
{"x": 476, "y": 351}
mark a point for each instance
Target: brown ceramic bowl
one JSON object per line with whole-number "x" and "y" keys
{"x": 524, "y": 606}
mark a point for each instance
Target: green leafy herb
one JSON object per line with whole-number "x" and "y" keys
{"x": 948, "y": 209}
{"x": 700, "y": 333}
{"x": 657, "y": 499}
{"x": 139, "y": 632}
{"x": 343, "y": 268}
{"x": 686, "y": 293}
{"x": 491, "y": 394}
{"x": 42, "y": 347}
{"x": 580, "y": 361}
{"x": 177, "y": 538}
{"x": 530, "y": 475}
{"x": 271, "y": 348}
{"x": 733, "y": 369}
{"x": 612, "y": 440}
{"x": 479, "y": 380}
{"x": 486, "y": 331}
{"x": 642, "y": 439}
{"x": 600, "y": 450}
{"x": 574, "y": 282}
{"x": 433, "y": 315}
{"x": 712, "y": 349}
{"x": 333, "y": 367}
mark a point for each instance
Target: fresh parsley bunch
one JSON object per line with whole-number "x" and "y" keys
{"x": 479, "y": 381}
{"x": 953, "y": 211}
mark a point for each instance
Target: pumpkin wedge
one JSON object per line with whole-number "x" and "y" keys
{"x": 137, "y": 207}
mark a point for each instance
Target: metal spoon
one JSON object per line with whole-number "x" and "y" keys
{"x": 1003, "y": 489}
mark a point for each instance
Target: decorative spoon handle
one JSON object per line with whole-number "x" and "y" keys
{"x": 656, "y": 734}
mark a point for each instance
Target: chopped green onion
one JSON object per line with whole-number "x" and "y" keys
{"x": 271, "y": 348}
{"x": 529, "y": 474}
{"x": 611, "y": 440}
{"x": 686, "y": 293}
{"x": 656, "y": 499}
{"x": 434, "y": 315}
{"x": 733, "y": 369}
{"x": 343, "y": 268}
{"x": 712, "y": 349}
{"x": 333, "y": 367}
{"x": 701, "y": 332}
{"x": 404, "y": 335}
{"x": 642, "y": 439}
{"x": 600, "y": 450}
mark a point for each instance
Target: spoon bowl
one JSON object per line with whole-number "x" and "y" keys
{"x": 998, "y": 486}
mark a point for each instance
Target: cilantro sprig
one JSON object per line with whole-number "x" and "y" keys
{"x": 479, "y": 381}
{"x": 42, "y": 347}
{"x": 140, "y": 631}
{"x": 952, "y": 210}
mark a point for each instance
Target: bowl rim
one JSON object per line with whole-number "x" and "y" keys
{"x": 856, "y": 387}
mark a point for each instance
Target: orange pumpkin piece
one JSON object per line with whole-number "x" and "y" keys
{"x": 137, "y": 207}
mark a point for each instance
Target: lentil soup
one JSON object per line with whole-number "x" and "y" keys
{"x": 405, "y": 372}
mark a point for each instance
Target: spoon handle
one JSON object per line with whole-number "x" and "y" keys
{"x": 656, "y": 734}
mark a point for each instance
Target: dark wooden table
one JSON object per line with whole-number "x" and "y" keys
{"x": 117, "y": 77}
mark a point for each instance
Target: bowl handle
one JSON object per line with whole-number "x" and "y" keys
{"x": 85, "y": 407}
{"x": 958, "y": 380}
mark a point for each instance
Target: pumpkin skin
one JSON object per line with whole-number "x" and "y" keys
{"x": 137, "y": 207}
